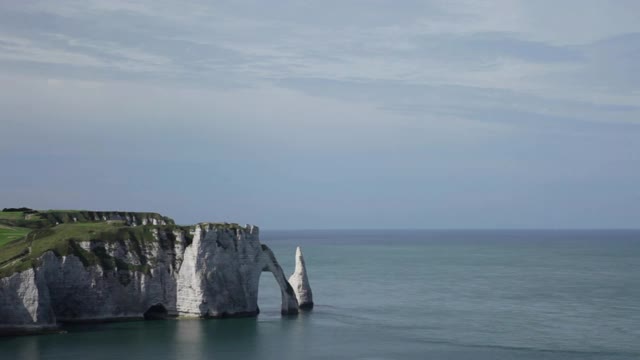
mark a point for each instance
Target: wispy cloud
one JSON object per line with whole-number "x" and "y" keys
{"x": 323, "y": 89}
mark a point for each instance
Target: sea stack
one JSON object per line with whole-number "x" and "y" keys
{"x": 300, "y": 283}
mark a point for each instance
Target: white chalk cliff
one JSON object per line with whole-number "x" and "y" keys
{"x": 300, "y": 282}
{"x": 212, "y": 270}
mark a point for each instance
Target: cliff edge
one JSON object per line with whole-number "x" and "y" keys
{"x": 116, "y": 268}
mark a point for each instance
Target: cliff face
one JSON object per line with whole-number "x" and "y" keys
{"x": 208, "y": 270}
{"x": 129, "y": 218}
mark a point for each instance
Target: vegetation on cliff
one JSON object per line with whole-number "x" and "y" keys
{"x": 8, "y": 233}
{"x": 25, "y": 235}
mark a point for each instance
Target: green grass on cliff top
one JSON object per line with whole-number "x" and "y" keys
{"x": 12, "y": 215}
{"x": 24, "y": 239}
{"x": 19, "y": 255}
{"x": 8, "y": 233}
{"x": 53, "y": 238}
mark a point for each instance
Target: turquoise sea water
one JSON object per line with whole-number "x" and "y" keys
{"x": 408, "y": 295}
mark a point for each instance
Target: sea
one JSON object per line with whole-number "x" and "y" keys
{"x": 407, "y": 294}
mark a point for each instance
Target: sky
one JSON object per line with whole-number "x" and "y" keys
{"x": 325, "y": 114}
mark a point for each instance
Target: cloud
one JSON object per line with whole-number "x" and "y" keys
{"x": 460, "y": 61}
{"x": 489, "y": 99}
{"x": 418, "y": 58}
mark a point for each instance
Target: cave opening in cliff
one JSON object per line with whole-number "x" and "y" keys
{"x": 156, "y": 312}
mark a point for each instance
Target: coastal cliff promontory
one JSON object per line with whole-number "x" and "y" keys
{"x": 103, "y": 266}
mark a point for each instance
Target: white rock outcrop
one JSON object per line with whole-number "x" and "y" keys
{"x": 300, "y": 282}
{"x": 213, "y": 270}
{"x": 23, "y": 307}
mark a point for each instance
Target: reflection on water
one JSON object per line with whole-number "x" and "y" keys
{"x": 246, "y": 338}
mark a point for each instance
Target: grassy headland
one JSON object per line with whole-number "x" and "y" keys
{"x": 25, "y": 236}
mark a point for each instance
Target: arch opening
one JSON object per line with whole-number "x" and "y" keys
{"x": 289, "y": 304}
{"x": 156, "y": 312}
{"x": 269, "y": 295}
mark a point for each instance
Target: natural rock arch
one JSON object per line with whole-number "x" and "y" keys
{"x": 208, "y": 270}
{"x": 289, "y": 302}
